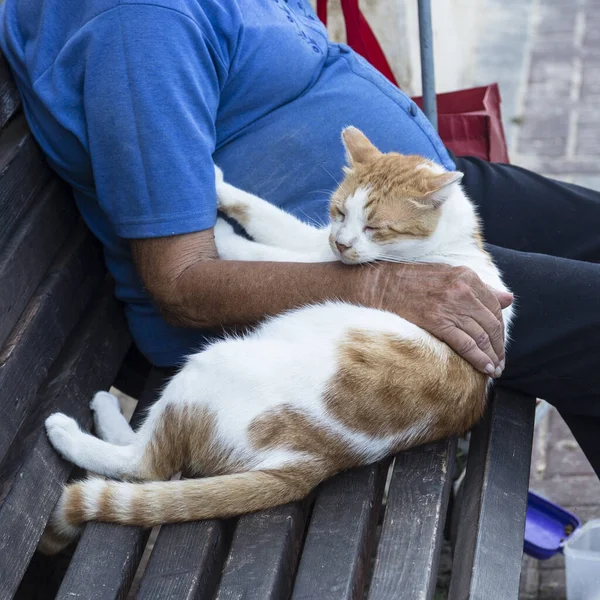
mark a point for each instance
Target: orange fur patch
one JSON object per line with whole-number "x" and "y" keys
{"x": 184, "y": 440}
{"x": 398, "y": 190}
{"x": 385, "y": 385}
{"x": 289, "y": 429}
{"x": 75, "y": 504}
{"x": 402, "y": 189}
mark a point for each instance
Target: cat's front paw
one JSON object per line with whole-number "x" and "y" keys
{"x": 63, "y": 432}
{"x": 223, "y": 229}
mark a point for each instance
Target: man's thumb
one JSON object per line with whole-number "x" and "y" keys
{"x": 505, "y": 298}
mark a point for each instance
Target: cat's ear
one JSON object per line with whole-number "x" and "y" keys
{"x": 359, "y": 149}
{"x": 439, "y": 187}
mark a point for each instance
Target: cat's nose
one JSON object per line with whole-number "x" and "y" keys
{"x": 342, "y": 247}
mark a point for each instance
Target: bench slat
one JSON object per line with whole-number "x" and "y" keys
{"x": 264, "y": 553}
{"x": 90, "y": 362}
{"x": 489, "y": 545}
{"x": 186, "y": 561}
{"x": 104, "y": 562}
{"x": 107, "y": 555}
{"x": 9, "y": 95}
{"x": 39, "y": 335}
{"x": 337, "y": 549}
{"x": 29, "y": 252}
{"x": 412, "y": 532}
{"x": 23, "y": 174}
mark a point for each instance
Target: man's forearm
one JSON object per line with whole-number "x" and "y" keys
{"x": 221, "y": 293}
{"x": 194, "y": 288}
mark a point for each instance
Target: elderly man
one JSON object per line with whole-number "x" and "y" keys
{"x": 132, "y": 102}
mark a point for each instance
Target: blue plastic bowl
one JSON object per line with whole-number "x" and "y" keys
{"x": 547, "y": 527}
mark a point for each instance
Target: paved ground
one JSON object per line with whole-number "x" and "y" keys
{"x": 546, "y": 55}
{"x": 560, "y": 472}
{"x": 560, "y": 130}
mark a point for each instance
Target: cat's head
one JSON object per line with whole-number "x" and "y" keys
{"x": 388, "y": 205}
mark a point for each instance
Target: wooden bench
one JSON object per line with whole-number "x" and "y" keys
{"x": 63, "y": 336}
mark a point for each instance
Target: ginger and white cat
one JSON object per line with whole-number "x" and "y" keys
{"x": 265, "y": 417}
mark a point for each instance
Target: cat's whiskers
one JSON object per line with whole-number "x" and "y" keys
{"x": 337, "y": 182}
{"x": 323, "y": 191}
{"x": 370, "y": 263}
{"x": 397, "y": 259}
{"x": 312, "y": 220}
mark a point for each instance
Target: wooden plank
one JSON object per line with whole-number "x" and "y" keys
{"x": 337, "y": 550}
{"x": 186, "y": 561}
{"x": 9, "y": 96}
{"x": 489, "y": 545}
{"x": 90, "y": 361}
{"x": 412, "y": 532}
{"x": 23, "y": 173}
{"x": 104, "y": 562}
{"x": 264, "y": 553}
{"x": 38, "y": 336}
{"x": 28, "y": 254}
{"x": 107, "y": 556}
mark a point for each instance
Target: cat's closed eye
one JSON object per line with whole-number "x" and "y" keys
{"x": 337, "y": 213}
{"x": 401, "y": 232}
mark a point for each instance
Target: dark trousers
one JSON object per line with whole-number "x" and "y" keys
{"x": 545, "y": 237}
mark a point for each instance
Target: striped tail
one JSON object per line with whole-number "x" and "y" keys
{"x": 157, "y": 502}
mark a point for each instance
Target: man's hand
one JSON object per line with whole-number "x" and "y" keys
{"x": 451, "y": 303}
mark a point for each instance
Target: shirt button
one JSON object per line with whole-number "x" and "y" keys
{"x": 413, "y": 109}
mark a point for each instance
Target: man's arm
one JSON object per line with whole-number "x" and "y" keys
{"x": 193, "y": 288}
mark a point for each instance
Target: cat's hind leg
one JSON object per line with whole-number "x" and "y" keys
{"x": 270, "y": 225}
{"x": 109, "y": 422}
{"x": 92, "y": 453}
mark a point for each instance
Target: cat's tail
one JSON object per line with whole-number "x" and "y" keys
{"x": 158, "y": 502}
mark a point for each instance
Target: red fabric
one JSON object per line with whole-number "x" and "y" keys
{"x": 359, "y": 35}
{"x": 469, "y": 121}
{"x": 322, "y": 11}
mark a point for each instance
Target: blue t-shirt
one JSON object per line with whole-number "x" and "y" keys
{"x": 133, "y": 100}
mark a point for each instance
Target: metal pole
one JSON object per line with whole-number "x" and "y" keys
{"x": 427, "y": 69}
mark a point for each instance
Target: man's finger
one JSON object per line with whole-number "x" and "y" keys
{"x": 475, "y": 331}
{"x": 489, "y": 298}
{"x": 494, "y": 328}
{"x": 465, "y": 346}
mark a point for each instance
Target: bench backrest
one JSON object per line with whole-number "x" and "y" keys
{"x": 62, "y": 335}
